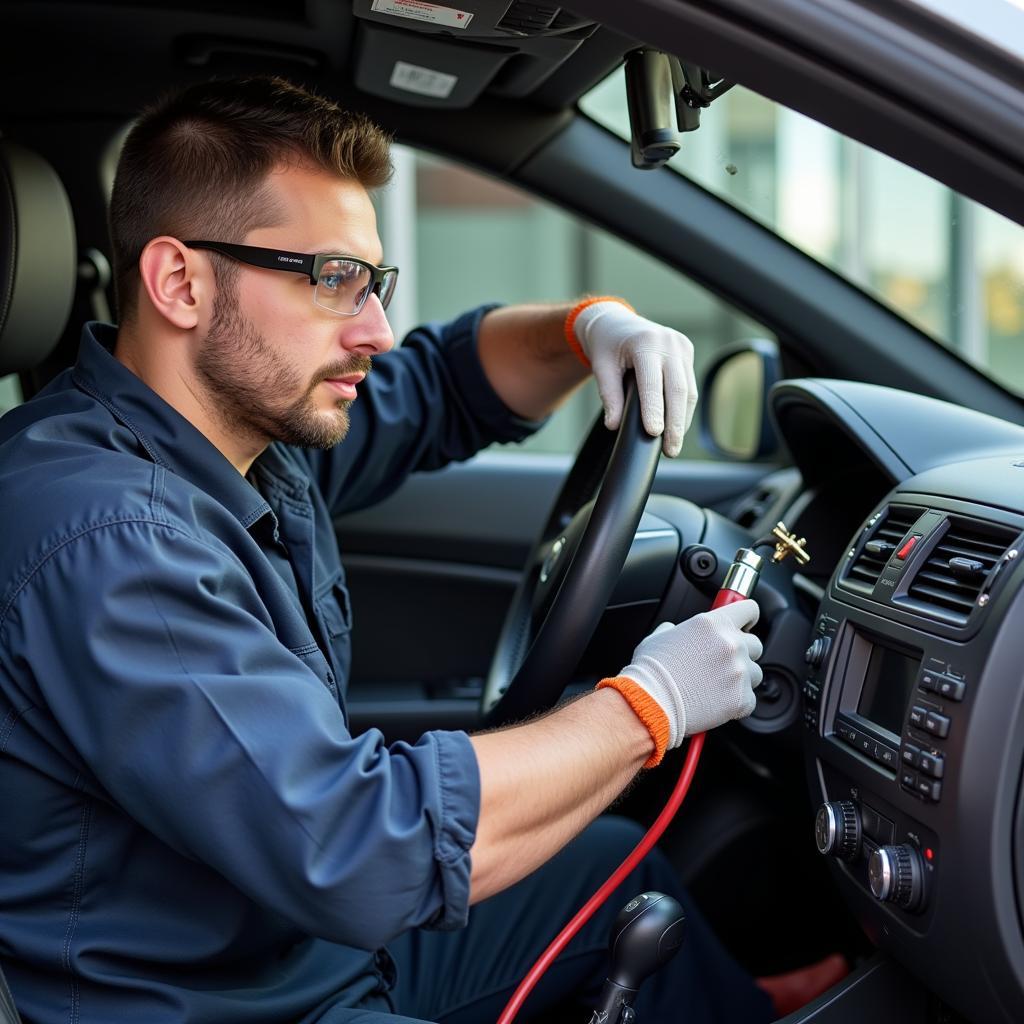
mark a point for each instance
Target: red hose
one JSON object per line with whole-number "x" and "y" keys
{"x": 583, "y": 915}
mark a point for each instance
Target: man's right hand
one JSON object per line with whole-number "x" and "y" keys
{"x": 540, "y": 783}
{"x": 701, "y": 673}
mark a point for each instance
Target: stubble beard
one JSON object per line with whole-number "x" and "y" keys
{"x": 242, "y": 373}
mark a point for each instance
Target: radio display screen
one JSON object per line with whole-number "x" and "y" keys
{"x": 888, "y": 683}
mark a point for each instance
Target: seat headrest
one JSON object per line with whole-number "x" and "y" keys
{"x": 38, "y": 263}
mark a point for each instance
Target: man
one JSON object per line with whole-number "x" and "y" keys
{"x": 190, "y": 831}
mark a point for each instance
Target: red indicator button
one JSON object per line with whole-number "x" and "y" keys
{"x": 908, "y": 547}
{"x": 929, "y": 854}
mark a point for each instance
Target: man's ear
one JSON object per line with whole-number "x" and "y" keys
{"x": 177, "y": 281}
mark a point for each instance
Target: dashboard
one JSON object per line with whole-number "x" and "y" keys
{"x": 912, "y": 706}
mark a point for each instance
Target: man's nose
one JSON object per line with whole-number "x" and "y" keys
{"x": 369, "y": 332}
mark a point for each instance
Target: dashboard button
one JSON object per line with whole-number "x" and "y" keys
{"x": 886, "y": 755}
{"x": 928, "y": 680}
{"x": 918, "y": 716}
{"x": 936, "y": 724}
{"x": 951, "y": 688}
{"x": 908, "y": 780}
{"x": 932, "y": 764}
{"x": 910, "y": 755}
{"x": 845, "y": 732}
{"x": 908, "y": 547}
{"x": 865, "y": 744}
{"x": 929, "y": 788}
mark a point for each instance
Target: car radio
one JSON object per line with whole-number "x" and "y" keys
{"x": 881, "y": 698}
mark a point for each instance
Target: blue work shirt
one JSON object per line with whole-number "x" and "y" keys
{"x": 188, "y": 830}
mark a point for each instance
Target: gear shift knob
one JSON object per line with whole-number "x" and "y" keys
{"x": 646, "y": 935}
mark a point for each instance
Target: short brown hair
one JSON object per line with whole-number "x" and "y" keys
{"x": 195, "y": 164}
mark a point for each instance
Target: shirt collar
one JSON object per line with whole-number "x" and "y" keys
{"x": 169, "y": 439}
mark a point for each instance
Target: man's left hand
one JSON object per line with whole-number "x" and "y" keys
{"x": 616, "y": 339}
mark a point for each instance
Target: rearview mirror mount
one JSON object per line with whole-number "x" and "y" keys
{"x": 665, "y": 96}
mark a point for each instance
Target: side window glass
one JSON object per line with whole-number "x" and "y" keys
{"x": 10, "y": 392}
{"x": 462, "y": 238}
{"x": 948, "y": 265}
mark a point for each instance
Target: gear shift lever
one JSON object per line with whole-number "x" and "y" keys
{"x": 646, "y": 935}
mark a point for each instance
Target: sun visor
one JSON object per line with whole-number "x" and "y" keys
{"x": 423, "y": 70}
{"x": 431, "y": 55}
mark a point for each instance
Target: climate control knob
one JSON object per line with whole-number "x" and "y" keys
{"x": 816, "y": 654}
{"x": 896, "y": 876}
{"x": 837, "y": 829}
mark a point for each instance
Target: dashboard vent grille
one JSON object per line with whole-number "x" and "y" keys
{"x": 529, "y": 18}
{"x": 881, "y": 544}
{"x": 956, "y": 569}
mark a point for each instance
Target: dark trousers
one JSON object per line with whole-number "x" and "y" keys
{"x": 466, "y": 977}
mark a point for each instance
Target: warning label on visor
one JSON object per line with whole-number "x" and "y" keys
{"x": 449, "y": 17}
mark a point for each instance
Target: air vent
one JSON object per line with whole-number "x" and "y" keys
{"x": 949, "y": 582}
{"x": 882, "y": 543}
{"x": 529, "y": 18}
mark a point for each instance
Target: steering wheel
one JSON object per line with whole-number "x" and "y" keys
{"x": 573, "y": 567}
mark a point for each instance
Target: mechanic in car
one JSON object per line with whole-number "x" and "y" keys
{"x": 191, "y": 832}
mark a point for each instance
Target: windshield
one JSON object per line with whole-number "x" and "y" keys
{"x": 948, "y": 265}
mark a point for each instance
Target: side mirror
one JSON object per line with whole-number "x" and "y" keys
{"x": 734, "y": 419}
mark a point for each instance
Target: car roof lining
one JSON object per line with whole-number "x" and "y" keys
{"x": 883, "y": 74}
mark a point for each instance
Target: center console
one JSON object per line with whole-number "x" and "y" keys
{"x": 913, "y": 714}
{"x": 890, "y": 730}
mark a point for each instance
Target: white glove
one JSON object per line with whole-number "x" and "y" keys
{"x": 614, "y": 339}
{"x": 701, "y": 673}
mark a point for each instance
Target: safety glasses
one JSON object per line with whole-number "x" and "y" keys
{"x": 342, "y": 283}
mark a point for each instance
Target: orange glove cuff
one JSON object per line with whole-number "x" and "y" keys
{"x": 647, "y": 709}
{"x": 570, "y": 323}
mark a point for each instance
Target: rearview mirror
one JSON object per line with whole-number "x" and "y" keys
{"x": 734, "y": 411}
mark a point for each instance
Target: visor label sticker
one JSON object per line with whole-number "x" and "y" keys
{"x": 435, "y": 14}
{"x": 425, "y": 81}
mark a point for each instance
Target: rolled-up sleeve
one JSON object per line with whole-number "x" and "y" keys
{"x": 156, "y": 655}
{"x": 423, "y": 405}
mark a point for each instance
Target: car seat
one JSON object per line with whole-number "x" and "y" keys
{"x": 37, "y": 286}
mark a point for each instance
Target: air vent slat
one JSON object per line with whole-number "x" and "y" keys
{"x": 946, "y": 580}
{"x": 942, "y": 597}
{"x": 863, "y": 573}
{"x": 991, "y": 552}
{"x": 892, "y": 533}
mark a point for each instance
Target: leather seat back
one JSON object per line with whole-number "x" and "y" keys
{"x": 38, "y": 263}
{"x": 37, "y": 286}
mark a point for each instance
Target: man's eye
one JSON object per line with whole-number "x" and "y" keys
{"x": 344, "y": 275}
